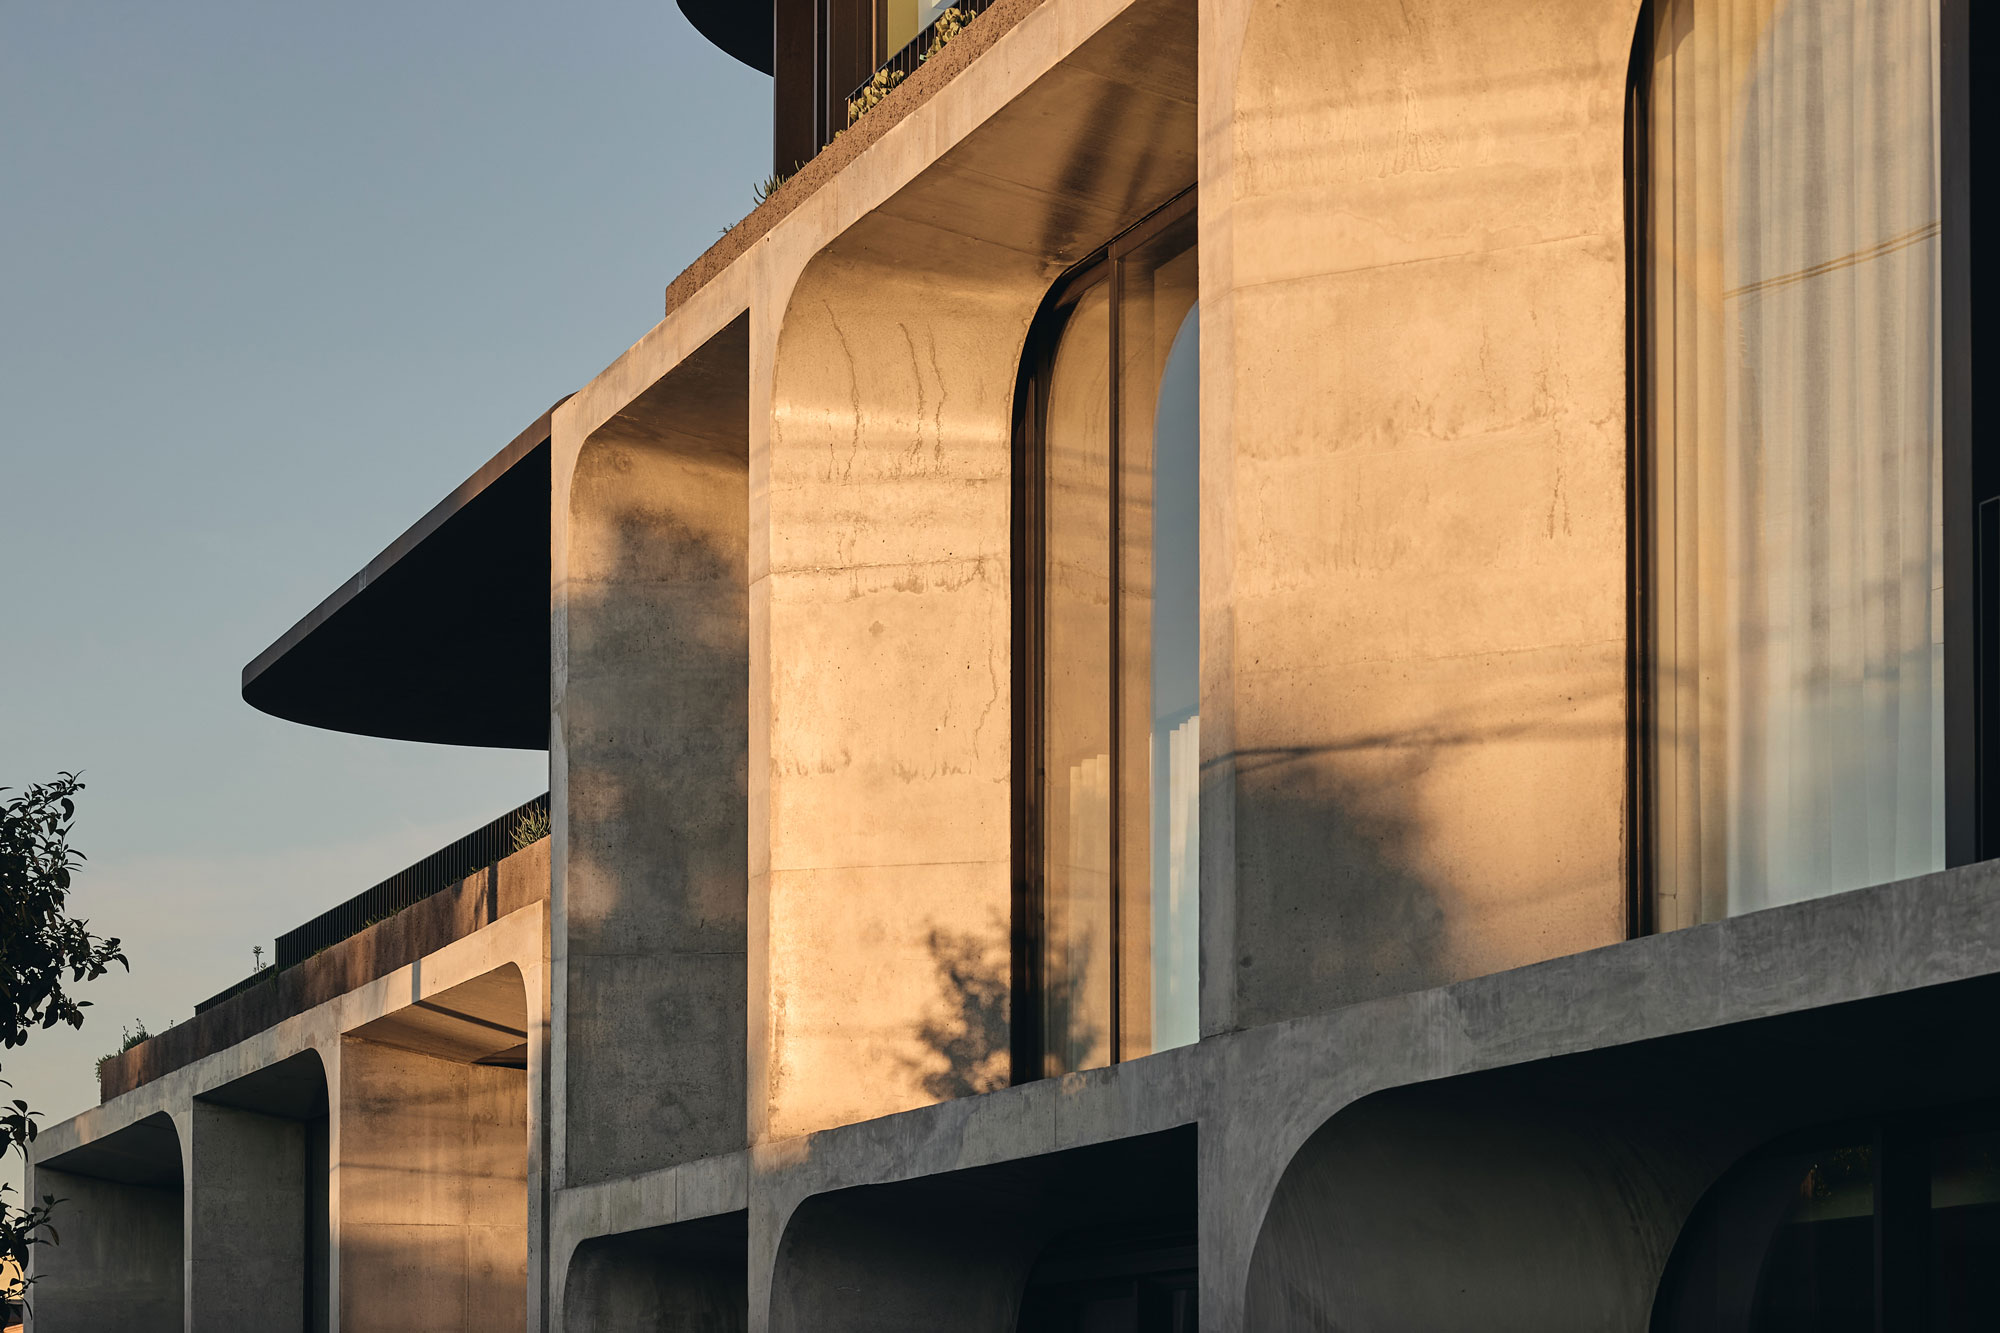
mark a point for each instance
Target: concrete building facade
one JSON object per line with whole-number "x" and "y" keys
{"x": 1240, "y": 664}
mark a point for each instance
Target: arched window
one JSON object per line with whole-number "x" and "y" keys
{"x": 1794, "y": 602}
{"x": 1884, "y": 1225}
{"x": 1107, "y": 625}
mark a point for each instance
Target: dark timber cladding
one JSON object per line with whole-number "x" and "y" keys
{"x": 444, "y": 637}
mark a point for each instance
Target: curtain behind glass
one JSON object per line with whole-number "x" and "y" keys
{"x": 1794, "y": 417}
{"x": 1159, "y": 577}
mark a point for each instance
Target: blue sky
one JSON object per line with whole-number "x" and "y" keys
{"x": 273, "y": 279}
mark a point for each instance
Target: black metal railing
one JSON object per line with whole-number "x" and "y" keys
{"x": 256, "y": 978}
{"x": 908, "y": 60}
{"x": 470, "y": 855}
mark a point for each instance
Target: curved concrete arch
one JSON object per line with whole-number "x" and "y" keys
{"x": 1549, "y": 1195}
{"x": 1414, "y": 384}
{"x": 958, "y": 1249}
{"x": 1432, "y": 1209}
{"x": 687, "y": 1277}
{"x": 882, "y": 579}
{"x": 123, "y": 1222}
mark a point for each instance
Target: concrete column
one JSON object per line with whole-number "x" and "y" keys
{"x": 247, "y": 1221}
{"x": 882, "y": 580}
{"x": 651, "y": 729}
{"x": 1414, "y": 582}
{"x": 431, "y": 1178}
{"x": 118, "y": 1268}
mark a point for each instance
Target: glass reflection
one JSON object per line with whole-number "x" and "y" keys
{"x": 1120, "y": 615}
{"x": 1076, "y": 798}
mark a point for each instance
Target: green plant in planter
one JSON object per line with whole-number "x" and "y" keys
{"x": 130, "y": 1037}
{"x": 949, "y": 25}
{"x": 885, "y": 82}
{"x": 530, "y": 829}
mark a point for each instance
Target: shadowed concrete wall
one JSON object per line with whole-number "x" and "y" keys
{"x": 1414, "y": 515}
{"x": 687, "y": 1278}
{"x": 1406, "y": 1214}
{"x": 257, "y": 1205}
{"x": 954, "y": 1251}
{"x": 652, "y": 736}
{"x": 119, "y": 1266}
{"x": 247, "y": 1226}
{"x": 881, "y": 581}
{"x": 1549, "y": 1195}
{"x": 431, "y": 1193}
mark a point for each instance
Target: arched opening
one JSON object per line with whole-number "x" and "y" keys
{"x": 1868, "y": 1226}
{"x": 1549, "y": 1196}
{"x": 687, "y": 1277}
{"x": 1101, "y": 1237}
{"x": 258, "y": 1200}
{"x": 431, "y": 1163}
{"x": 118, "y": 1267}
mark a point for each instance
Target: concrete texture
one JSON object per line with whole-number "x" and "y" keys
{"x": 1413, "y": 464}
{"x": 955, "y": 1250}
{"x": 279, "y": 1077}
{"x": 881, "y": 570}
{"x": 431, "y": 1192}
{"x": 1436, "y": 1086}
{"x": 651, "y": 724}
{"x": 247, "y": 1219}
{"x": 118, "y": 1266}
{"x": 687, "y": 1278}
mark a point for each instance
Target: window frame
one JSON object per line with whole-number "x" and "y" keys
{"x": 1971, "y": 499}
{"x": 1902, "y": 1146}
{"x": 1027, "y": 1046}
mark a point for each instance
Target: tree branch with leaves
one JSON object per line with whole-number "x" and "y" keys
{"x": 44, "y": 951}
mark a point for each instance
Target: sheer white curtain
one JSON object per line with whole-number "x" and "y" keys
{"x": 1793, "y": 405}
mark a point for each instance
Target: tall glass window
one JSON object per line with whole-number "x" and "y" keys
{"x": 1110, "y": 715}
{"x": 1790, "y": 410}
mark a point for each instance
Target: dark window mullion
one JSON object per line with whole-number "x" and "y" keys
{"x": 1969, "y": 589}
{"x": 1116, "y": 731}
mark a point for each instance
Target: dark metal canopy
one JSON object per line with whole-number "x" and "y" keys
{"x": 444, "y": 636}
{"x": 743, "y": 28}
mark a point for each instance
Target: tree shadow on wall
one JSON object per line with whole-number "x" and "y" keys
{"x": 1346, "y": 889}
{"x": 969, "y": 1023}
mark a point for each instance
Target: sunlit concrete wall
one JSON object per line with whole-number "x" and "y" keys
{"x": 1413, "y": 290}
{"x": 432, "y": 1192}
{"x": 1414, "y": 581}
{"x": 881, "y": 556}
